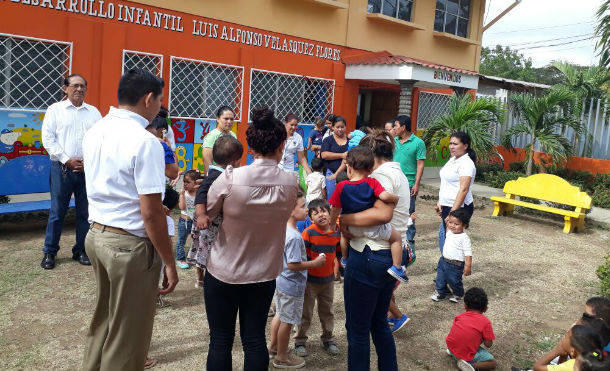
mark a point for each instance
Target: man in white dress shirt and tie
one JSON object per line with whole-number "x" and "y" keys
{"x": 63, "y": 129}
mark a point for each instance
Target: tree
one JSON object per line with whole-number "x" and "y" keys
{"x": 477, "y": 118}
{"x": 507, "y": 63}
{"x": 602, "y": 30}
{"x": 540, "y": 119}
{"x": 585, "y": 82}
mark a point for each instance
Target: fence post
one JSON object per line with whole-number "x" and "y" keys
{"x": 596, "y": 139}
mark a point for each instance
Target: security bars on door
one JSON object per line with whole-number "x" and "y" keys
{"x": 307, "y": 97}
{"x": 145, "y": 61}
{"x": 32, "y": 71}
{"x": 431, "y": 107}
{"x": 198, "y": 88}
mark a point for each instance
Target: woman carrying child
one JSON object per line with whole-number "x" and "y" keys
{"x": 244, "y": 262}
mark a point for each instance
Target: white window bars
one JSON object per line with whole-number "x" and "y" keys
{"x": 198, "y": 88}
{"x": 431, "y": 106}
{"x": 306, "y": 97}
{"x": 145, "y": 61}
{"x": 32, "y": 71}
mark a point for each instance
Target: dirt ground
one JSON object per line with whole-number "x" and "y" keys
{"x": 536, "y": 277}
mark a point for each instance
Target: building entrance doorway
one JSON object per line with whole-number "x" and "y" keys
{"x": 376, "y": 106}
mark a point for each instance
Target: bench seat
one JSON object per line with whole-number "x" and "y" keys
{"x": 530, "y": 205}
{"x": 28, "y": 206}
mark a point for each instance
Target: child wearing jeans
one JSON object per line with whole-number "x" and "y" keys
{"x": 468, "y": 331}
{"x": 456, "y": 259}
{"x": 187, "y": 211}
{"x": 321, "y": 238}
{"x": 290, "y": 289}
{"x": 316, "y": 181}
{"x": 359, "y": 194}
{"x": 227, "y": 151}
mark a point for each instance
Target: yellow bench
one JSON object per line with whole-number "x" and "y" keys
{"x": 545, "y": 187}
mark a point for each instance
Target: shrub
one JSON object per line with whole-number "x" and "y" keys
{"x": 517, "y": 166}
{"x": 4, "y": 199}
{"x": 497, "y": 180}
{"x": 601, "y": 196}
{"x": 603, "y": 273}
{"x": 484, "y": 170}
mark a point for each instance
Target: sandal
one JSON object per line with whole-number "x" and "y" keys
{"x": 199, "y": 284}
{"x": 150, "y": 363}
{"x": 271, "y": 312}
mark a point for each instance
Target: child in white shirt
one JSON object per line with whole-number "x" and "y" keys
{"x": 315, "y": 181}
{"x": 456, "y": 259}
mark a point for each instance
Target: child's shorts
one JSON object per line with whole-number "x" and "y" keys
{"x": 482, "y": 355}
{"x": 289, "y": 308}
{"x": 378, "y": 232}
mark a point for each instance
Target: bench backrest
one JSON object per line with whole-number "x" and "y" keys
{"x": 548, "y": 187}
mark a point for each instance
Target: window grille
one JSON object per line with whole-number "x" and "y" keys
{"x": 401, "y": 9}
{"x": 32, "y": 71}
{"x": 306, "y": 97}
{"x": 144, "y": 61}
{"x": 452, "y": 17}
{"x": 431, "y": 106}
{"x": 199, "y": 88}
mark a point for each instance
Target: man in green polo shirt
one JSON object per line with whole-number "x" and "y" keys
{"x": 410, "y": 152}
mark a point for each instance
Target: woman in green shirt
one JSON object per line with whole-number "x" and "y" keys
{"x": 224, "y": 124}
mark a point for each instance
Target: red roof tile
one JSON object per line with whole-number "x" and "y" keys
{"x": 385, "y": 58}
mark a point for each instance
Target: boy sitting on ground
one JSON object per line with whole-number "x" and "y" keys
{"x": 468, "y": 331}
{"x": 359, "y": 194}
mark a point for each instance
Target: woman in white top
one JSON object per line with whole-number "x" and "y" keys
{"x": 294, "y": 144}
{"x": 457, "y": 177}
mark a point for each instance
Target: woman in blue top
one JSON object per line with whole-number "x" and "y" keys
{"x": 334, "y": 151}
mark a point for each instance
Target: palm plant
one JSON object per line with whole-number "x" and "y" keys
{"x": 542, "y": 119}
{"x": 478, "y": 118}
{"x": 591, "y": 82}
{"x": 602, "y": 30}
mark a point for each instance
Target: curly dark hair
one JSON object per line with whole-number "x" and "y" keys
{"x": 380, "y": 143}
{"x": 360, "y": 158}
{"x": 266, "y": 133}
{"x": 476, "y": 298}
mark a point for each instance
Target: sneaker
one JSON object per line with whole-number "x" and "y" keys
{"x": 400, "y": 323}
{"x": 464, "y": 366}
{"x": 456, "y": 299}
{"x": 331, "y": 347}
{"x": 398, "y": 273}
{"x": 291, "y": 362}
{"x": 343, "y": 262}
{"x": 437, "y": 296}
{"x": 183, "y": 265}
{"x": 272, "y": 354}
{"x": 300, "y": 350}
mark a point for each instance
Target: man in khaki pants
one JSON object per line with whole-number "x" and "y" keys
{"x": 125, "y": 174}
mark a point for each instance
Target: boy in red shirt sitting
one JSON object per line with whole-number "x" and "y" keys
{"x": 468, "y": 331}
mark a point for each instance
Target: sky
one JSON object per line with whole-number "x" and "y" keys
{"x": 534, "y": 25}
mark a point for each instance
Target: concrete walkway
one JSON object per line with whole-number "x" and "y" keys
{"x": 483, "y": 193}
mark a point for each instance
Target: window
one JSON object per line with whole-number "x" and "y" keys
{"x": 199, "y": 88}
{"x": 452, "y": 17}
{"x": 145, "y": 61}
{"x": 430, "y": 108}
{"x": 306, "y": 97}
{"x": 32, "y": 71}
{"x": 401, "y": 9}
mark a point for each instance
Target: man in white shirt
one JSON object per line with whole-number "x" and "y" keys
{"x": 63, "y": 128}
{"x": 125, "y": 171}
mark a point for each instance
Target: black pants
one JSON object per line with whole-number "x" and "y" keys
{"x": 223, "y": 301}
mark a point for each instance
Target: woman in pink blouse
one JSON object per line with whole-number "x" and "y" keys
{"x": 256, "y": 202}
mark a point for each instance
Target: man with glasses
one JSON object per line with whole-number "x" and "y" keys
{"x": 63, "y": 129}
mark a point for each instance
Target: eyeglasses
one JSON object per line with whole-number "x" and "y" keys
{"x": 78, "y": 86}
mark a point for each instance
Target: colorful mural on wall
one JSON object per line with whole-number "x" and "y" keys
{"x": 24, "y": 163}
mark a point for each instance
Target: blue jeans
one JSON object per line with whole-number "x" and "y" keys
{"x": 330, "y": 184}
{"x": 184, "y": 229}
{"x": 367, "y": 291}
{"x": 449, "y": 274}
{"x": 223, "y": 303}
{"x": 411, "y": 230}
{"x": 63, "y": 184}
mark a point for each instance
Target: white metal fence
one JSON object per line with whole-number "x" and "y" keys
{"x": 145, "y": 61}
{"x": 430, "y": 107}
{"x": 593, "y": 142}
{"x": 198, "y": 88}
{"x": 32, "y": 71}
{"x": 306, "y": 97}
